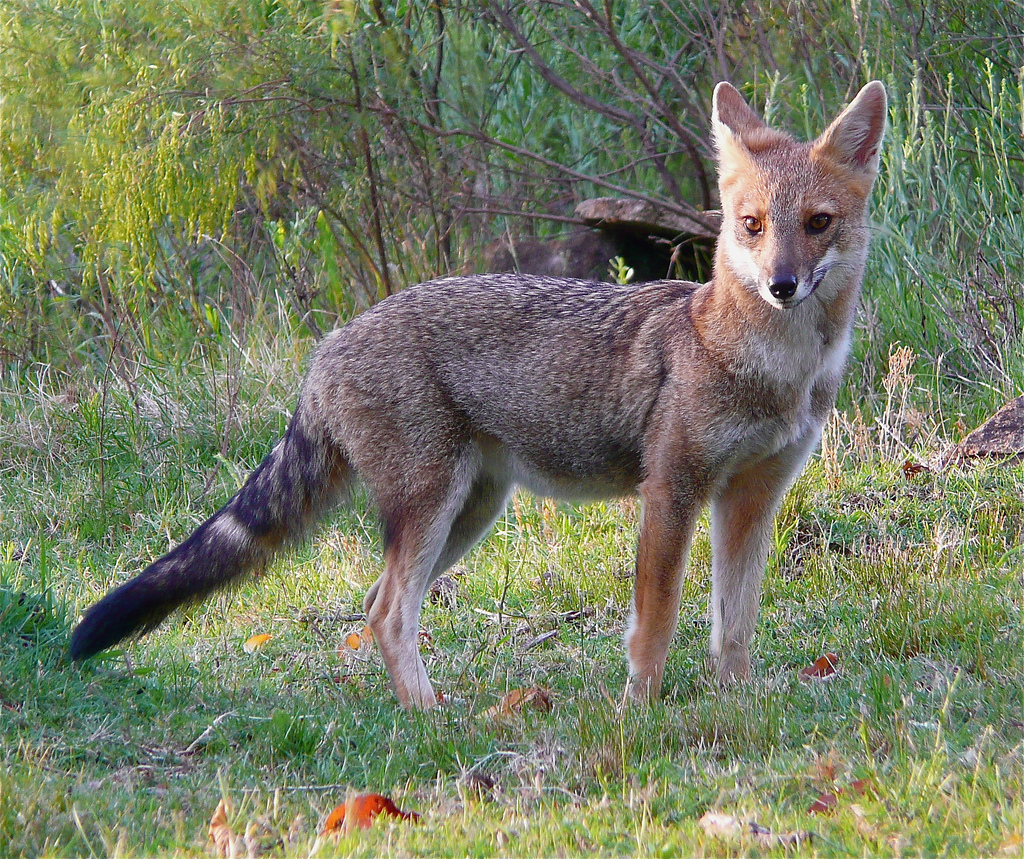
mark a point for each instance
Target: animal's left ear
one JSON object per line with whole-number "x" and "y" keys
{"x": 854, "y": 139}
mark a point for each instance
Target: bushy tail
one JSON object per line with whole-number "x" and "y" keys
{"x": 303, "y": 476}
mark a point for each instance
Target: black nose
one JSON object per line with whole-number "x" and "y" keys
{"x": 783, "y": 286}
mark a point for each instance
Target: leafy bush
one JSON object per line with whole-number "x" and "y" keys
{"x": 168, "y": 169}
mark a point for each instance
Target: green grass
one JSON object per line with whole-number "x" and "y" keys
{"x": 915, "y": 583}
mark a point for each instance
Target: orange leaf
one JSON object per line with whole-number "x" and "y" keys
{"x": 824, "y": 666}
{"x": 514, "y": 701}
{"x": 335, "y": 820}
{"x": 1013, "y": 845}
{"x": 361, "y": 810}
{"x": 255, "y": 643}
{"x": 355, "y": 640}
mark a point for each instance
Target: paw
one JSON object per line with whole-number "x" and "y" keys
{"x": 419, "y": 696}
{"x": 733, "y": 664}
{"x": 643, "y": 689}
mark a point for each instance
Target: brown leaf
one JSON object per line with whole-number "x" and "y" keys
{"x": 255, "y": 642}
{"x": 479, "y": 783}
{"x": 513, "y": 702}
{"x": 824, "y": 804}
{"x": 828, "y": 801}
{"x": 538, "y": 640}
{"x": 444, "y": 590}
{"x": 824, "y": 666}
{"x": 862, "y": 786}
{"x": 360, "y": 810}
{"x": 911, "y": 468}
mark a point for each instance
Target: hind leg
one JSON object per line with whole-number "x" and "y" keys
{"x": 419, "y": 549}
{"x": 415, "y": 534}
{"x": 487, "y": 499}
{"x": 486, "y": 502}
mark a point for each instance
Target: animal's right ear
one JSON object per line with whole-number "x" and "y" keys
{"x": 731, "y": 118}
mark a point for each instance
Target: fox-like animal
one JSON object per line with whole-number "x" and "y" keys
{"x": 447, "y": 395}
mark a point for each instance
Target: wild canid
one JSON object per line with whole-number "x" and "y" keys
{"x": 447, "y": 395}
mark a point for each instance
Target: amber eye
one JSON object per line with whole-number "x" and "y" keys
{"x": 817, "y": 223}
{"x": 753, "y": 225}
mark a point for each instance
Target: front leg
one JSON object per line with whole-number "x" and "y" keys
{"x": 742, "y": 518}
{"x": 666, "y": 531}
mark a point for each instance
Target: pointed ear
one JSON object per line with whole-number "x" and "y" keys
{"x": 854, "y": 139}
{"x": 731, "y": 118}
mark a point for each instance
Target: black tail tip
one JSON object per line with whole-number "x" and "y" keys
{"x": 88, "y": 638}
{"x": 79, "y": 650}
{"x": 126, "y": 612}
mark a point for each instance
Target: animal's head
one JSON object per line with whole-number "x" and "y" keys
{"x": 794, "y": 213}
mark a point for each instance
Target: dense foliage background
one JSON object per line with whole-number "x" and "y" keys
{"x": 167, "y": 170}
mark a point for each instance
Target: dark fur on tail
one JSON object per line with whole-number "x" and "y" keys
{"x": 301, "y": 477}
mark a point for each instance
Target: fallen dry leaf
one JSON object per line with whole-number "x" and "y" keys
{"x": 824, "y": 666}
{"x": 225, "y": 842}
{"x": 768, "y": 839}
{"x": 538, "y": 640}
{"x": 1012, "y": 846}
{"x": 862, "y": 786}
{"x": 360, "y": 810}
{"x": 255, "y": 642}
{"x": 444, "y": 589}
{"x": 513, "y": 702}
{"x": 721, "y": 825}
{"x": 729, "y": 828}
{"x": 356, "y": 640}
{"x": 911, "y": 468}
{"x": 827, "y": 802}
{"x": 824, "y": 804}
